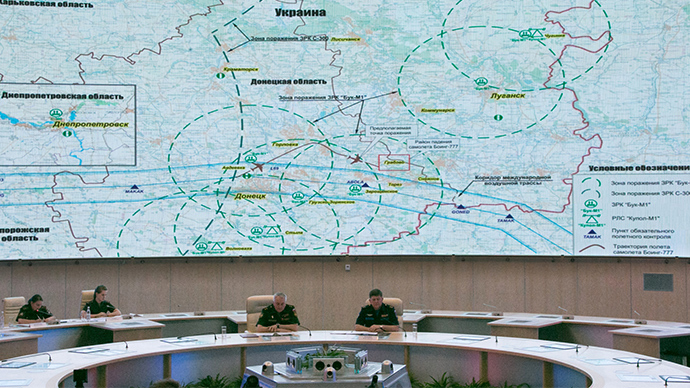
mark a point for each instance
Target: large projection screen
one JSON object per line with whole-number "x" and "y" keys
{"x": 271, "y": 128}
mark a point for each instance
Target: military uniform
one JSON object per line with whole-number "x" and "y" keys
{"x": 384, "y": 316}
{"x": 26, "y": 312}
{"x": 97, "y": 308}
{"x": 269, "y": 316}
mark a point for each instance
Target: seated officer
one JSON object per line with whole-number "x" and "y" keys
{"x": 34, "y": 312}
{"x": 278, "y": 317}
{"x": 377, "y": 316}
{"x": 99, "y": 306}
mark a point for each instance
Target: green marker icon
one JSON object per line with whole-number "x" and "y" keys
{"x": 481, "y": 81}
{"x": 56, "y": 114}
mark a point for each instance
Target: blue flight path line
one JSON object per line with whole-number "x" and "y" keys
{"x": 533, "y": 231}
{"x": 493, "y": 213}
{"x": 202, "y": 194}
{"x": 296, "y": 180}
{"x": 368, "y": 172}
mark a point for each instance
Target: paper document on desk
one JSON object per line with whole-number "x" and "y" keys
{"x": 16, "y": 364}
{"x": 14, "y": 383}
{"x": 177, "y": 341}
{"x": 47, "y": 365}
{"x": 365, "y": 333}
{"x": 88, "y": 350}
{"x": 471, "y": 338}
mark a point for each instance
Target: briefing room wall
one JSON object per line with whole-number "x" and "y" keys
{"x": 673, "y": 306}
{"x": 549, "y": 285}
{"x": 241, "y": 279}
{"x": 447, "y": 285}
{"x": 500, "y": 284}
{"x": 328, "y": 297}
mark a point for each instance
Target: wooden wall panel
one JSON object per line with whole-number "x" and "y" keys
{"x": 604, "y": 288}
{"x": 328, "y": 297}
{"x": 660, "y": 305}
{"x": 241, "y": 280}
{"x": 447, "y": 285}
{"x": 499, "y": 283}
{"x": 302, "y": 282}
{"x": 88, "y": 275}
{"x": 398, "y": 278}
{"x": 5, "y": 281}
{"x": 549, "y": 285}
{"x": 345, "y": 292}
{"x": 145, "y": 287}
{"x": 48, "y": 280}
{"x": 195, "y": 286}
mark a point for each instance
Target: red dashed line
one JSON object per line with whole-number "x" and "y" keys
{"x": 80, "y": 241}
{"x": 567, "y": 181}
{"x": 400, "y": 235}
{"x": 129, "y": 59}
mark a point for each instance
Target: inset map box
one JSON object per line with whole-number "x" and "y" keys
{"x": 68, "y": 125}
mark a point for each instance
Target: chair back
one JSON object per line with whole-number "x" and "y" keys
{"x": 255, "y": 304}
{"x": 11, "y": 306}
{"x": 86, "y": 297}
{"x": 397, "y": 304}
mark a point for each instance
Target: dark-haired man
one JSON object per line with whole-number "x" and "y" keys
{"x": 377, "y": 316}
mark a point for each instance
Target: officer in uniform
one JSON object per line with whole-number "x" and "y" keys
{"x": 278, "y": 317}
{"x": 100, "y": 307}
{"x": 34, "y": 312}
{"x": 377, "y": 316}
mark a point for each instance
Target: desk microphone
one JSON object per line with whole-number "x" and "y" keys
{"x": 194, "y": 335}
{"x": 126, "y": 345}
{"x": 495, "y": 313}
{"x": 423, "y": 306}
{"x": 42, "y": 314}
{"x": 306, "y": 328}
{"x": 374, "y": 380}
{"x": 50, "y": 359}
{"x": 639, "y": 321}
{"x": 565, "y": 316}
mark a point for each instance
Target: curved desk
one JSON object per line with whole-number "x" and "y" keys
{"x": 659, "y": 339}
{"x": 498, "y": 359}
